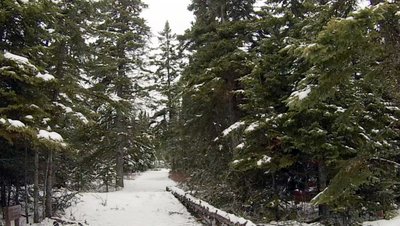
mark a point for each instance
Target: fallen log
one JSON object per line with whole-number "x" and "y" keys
{"x": 208, "y": 213}
{"x": 58, "y": 221}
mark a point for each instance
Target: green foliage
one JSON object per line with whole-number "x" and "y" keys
{"x": 310, "y": 99}
{"x": 60, "y": 101}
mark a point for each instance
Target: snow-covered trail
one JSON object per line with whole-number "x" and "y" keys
{"x": 143, "y": 202}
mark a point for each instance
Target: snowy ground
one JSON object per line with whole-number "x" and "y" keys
{"x": 392, "y": 222}
{"x": 142, "y": 202}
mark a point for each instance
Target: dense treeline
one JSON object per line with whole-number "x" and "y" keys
{"x": 266, "y": 109}
{"x": 294, "y": 101}
{"x": 68, "y": 118}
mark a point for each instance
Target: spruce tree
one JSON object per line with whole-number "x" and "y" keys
{"x": 347, "y": 79}
{"x": 168, "y": 62}
{"x": 121, "y": 35}
{"x": 212, "y": 90}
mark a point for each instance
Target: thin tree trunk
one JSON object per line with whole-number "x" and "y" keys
{"x": 120, "y": 168}
{"x": 9, "y": 193}
{"x": 26, "y": 185}
{"x": 16, "y": 196}
{"x": 3, "y": 194}
{"x": 106, "y": 183}
{"x": 49, "y": 185}
{"x": 276, "y": 193}
{"x": 36, "y": 189}
{"x": 120, "y": 124}
{"x": 322, "y": 183}
{"x": 44, "y": 188}
{"x": 223, "y": 12}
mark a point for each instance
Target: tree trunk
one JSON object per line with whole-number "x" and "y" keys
{"x": 322, "y": 183}
{"x": 3, "y": 195}
{"x": 36, "y": 189}
{"x": 120, "y": 168}
{"x": 26, "y": 185}
{"x": 223, "y": 12}
{"x": 9, "y": 188}
{"x": 49, "y": 185}
{"x": 17, "y": 189}
{"x": 276, "y": 199}
{"x": 120, "y": 123}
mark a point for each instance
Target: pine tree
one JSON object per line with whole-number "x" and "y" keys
{"x": 118, "y": 49}
{"x": 168, "y": 62}
{"x": 348, "y": 81}
{"x": 212, "y": 90}
{"x": 25, "y": 95}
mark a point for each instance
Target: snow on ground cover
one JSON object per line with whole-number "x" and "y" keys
{"x": 142, "y": 202}
{"x": 289, "y": 223}
{"x": 392, "y": 222}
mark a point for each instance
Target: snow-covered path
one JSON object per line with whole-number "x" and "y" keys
{"x": 143, "y": 202}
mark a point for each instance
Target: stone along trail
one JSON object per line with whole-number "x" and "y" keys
{"x": 143, "y": 202}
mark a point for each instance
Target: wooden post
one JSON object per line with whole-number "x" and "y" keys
{"x": 12, "y": 213}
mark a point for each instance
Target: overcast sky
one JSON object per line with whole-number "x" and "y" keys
{"x": 175, "y": 11}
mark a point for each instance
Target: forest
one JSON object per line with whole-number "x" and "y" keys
{"x": 285, "y": 110}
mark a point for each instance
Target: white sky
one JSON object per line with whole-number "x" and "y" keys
{"x": 175, "y": 11}
{"x": 363, "y": 3}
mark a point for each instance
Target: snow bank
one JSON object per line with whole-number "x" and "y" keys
{"x": 392, "y": 222}
{"x": 290, "y": 223}
{"x": 226, "y": 218}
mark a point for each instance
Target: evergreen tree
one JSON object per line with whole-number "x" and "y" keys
{"x": 121, "y": 36}
{"x": 347, "y": 79}
{"x": 212, "y": 91}
{"x": 168, "y": 63}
